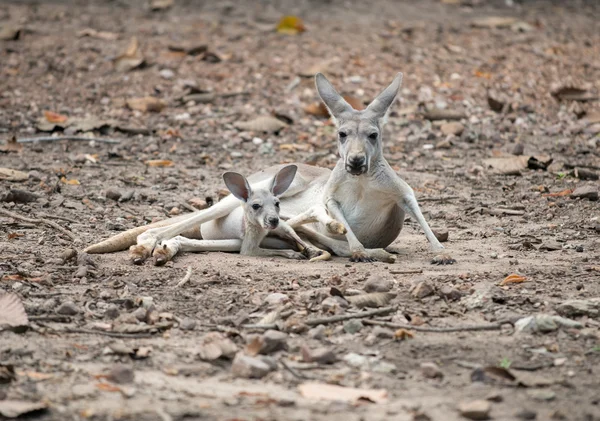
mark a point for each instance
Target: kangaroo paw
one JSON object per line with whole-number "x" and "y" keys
{"x": 164, "y": 252}
{"x": 381, "y": 255}
{"x": 322, "y": 255}
{"x": 139, "y": 253}
{"x": 443, "y": 259}
{"x": 336, "y": 227}
{"x": 362, "y": 257}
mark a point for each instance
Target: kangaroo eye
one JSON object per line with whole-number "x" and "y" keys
{"x": 277, "y": 205}
{"x": 256, "y": 206}
{"x": 342, "y": 135}
{"x": 373, "y": 136}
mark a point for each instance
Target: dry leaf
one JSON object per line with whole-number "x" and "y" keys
{"x": 12, "y": 175}
{"x": 147, "y": 104}
{"x": 290, "y": 25}
{"x": 513, "y": 279}
{"x": 157, "y": 5}
{"x": 215, "y": 345}
{"x": 266, "y": 124}
{"x": 493, "y": 22}
{"x": 35, "y": 375}
{"x": 55, "y": 117}
{"x": 321, "y": 67}
{"x": 513, "y": 165}
{"x": 11, "y": 146}
{"x": 559, "y": 193}
{"x": 131, "y": 59}
{"x": 254, "y": 347}
{"x": 12, "y": 312}
{"x": 568, "y": 93}
{"x": 72, "y": 181}
{"x": 107, "y": 387}
{"x": 13, "y": 235}
{"x": 402, "y": 334}
{"x": 317, "y": 109}
{"x": 92, "y": 33}
{"x": 14, "y": 408}
{"x": 374, "y": 299}
{"x": 330, "y": 392}
{"x": 159, "y": 163}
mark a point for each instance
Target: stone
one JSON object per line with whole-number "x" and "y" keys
{"x": 333, "y": 304}
{"x": 441, "y": 235}
{"x": 422, "y": 289}
{"x": 140, "y": 314}
{"x": 450, "y": 294}
{"x": 249, "y": 367}
{"x": 272, "y": 341}
{"x": 198, "y": 203}
{"x": 112, "y": 311}
{"x": 167, "y": 74}
{"x": 541, "y": 394}
{"x": 455, "y": 128}
{"x": 585, "y": 192}
{"x": 121, "y": 374}
{"x": 317, "y": 332}
{"x": 475, "y": 410}
{"x": 353, "y": 326}
{"x": 276, "y": 298}
{"x": 526, "y": 414}
{"x": 383, "y": 332}
{"x": 378, "y": 284}
{"x": 319, "y": 355}
{"x": 576, "y": 308}
{"x": 431, "y": 371}
{"x": 68, "y": 308}
{"x": 544, "y": 323}
{"x": 113, "y": 194}
{"x": 356, "y": 360}
{"x": 187, "y": 323}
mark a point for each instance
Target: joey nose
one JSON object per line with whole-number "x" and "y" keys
{"x": 273, "y": 221}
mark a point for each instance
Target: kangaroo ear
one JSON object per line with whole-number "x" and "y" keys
{"x": 237, "y": 185}
{"x": 380, "y": 106}
{"x": 333, "y": 101}
{"x": 283, "y": 179}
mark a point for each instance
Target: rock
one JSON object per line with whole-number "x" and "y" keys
{"x": 384, "y": 367}
{"x": 19, "y": 196}
{"x": 576, "y": 308}
{"x": 526, "y": 414}
{"x": 550, "y": 245}
{"x": 318, "y": 355}
{"x": 431, "y": 371}
{"x": 249, "y": 367}
{"x": 585, "y": 192}
{"x": 113, "y": 194}
{"x": 449, "y": 293}
{"x": 584, "y": 174}
{"x": 68, "y": 308}
{"x": 353, "y": 326}
{"x": 455, "y": 128}
{"x": 541, "y": 394}
{"x": 518, "y": 149}
{"x": 383, "y": 332}
{"x": 167, "y": 74}
{"x": 422, "y": 289}
{"x": 544, "y": 323}
{"x": 198, "y": 203}
{"x": 445, "y": 143}
{"x": 112, "y": 311}
{"x": 475, "y": 410}
{"x": 441, "y": 235}
{"x": 333, "y": 304}
{"x": 121, "y": 374}
{"x": 187, "y": 323}
{"x": 356, "y": 360}
{"x": 140, "y": 314}
{"x": 276, "y": 298}
{"x": 378, "y": 284}
{"x": 317, "y": 332}
{"x": 272, "y": 341}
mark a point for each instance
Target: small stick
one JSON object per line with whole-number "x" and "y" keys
{"x": 405, "y": 272}
{"x": 270, "y": 326}
{"x": 186, "y": 278}
{"x": 111, "y": 334}
{"x": 438, "y": 199}
{"x": 39, "y": 221}
{"x": 62, "y": 218}
{"x": 59, "y": 138}
{"x": 472, "y": 328}
{"x": 50, "y": 318}
{"x": 343, "y": 317}
{"x": 292, "y": 371}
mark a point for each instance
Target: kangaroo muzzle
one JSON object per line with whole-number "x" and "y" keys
{"x": 356, "y": 165}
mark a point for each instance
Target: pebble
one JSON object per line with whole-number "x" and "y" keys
{"x": 167, "y": 74}
{"x": 140, "y": 314}
{"x": 356, "y": 360}
{"x": 422, "y": 289}
{"x": 585, "y": 192}
{"x": 441, "y": 235}
{"x": 353, "y": 326}
{"x": 121, "y": 374}
{"x": 383, "y": 332}
{"x": 112, "y": 311}
{"x": 526, "y": 414}
{"x": 257, "y": 141}
{"x": 541, "y": 394}
{"x": 272, "y": 341}
{"x": 113, "y": 194}
{"x": 451, "y": 294}
{"x": 319, "y": 355}
{"x": 276, "y": 298}
{"x": 378, "y": 284}
{"x": 317, "y": 332}
{"x": 198, "y": 203}
{"x": 187, "y": 323}
{"x": 575, "y": 308}
{"x": 333, "y": 304}
{"x": 249, "y": 367}
{"x": 68, "y": 308}
{"x": 475, "y": 410}
{"x": 431, "y": 371}
{"x": 453, "y": 128}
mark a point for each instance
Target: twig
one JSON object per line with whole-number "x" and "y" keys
{"x": 293, "y": 372}
{"x": 343, "y": 317}
{"x": 111, "y": 334}
{"x": 59, "y": 138}
{"x": 270, "y": 326}
{"x": 438, "y": 199}
{"x": 405, "y": 272}
{"x": 62, "y": 218}
{"x": 50, "y": 318}
{"x": 188, "y": 206}
{"x": 472, "y": 328}
{"x": 39, "y": 221}
{"x": 186, "y": 278}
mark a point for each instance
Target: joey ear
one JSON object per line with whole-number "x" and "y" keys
{"x": 283, "y": 179}
{"x": 380, "y": 106}
{"x": 237, "y": 185}
{"x": 333, "y": 101}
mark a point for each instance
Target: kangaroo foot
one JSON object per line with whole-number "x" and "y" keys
{"x": 361, "y": 256}
{"x": 381, "y": 255}
{"x": 314, "y": 254}
{"x": 139, "y": 253}
{"x": 443, "y": 259}
{"x": 165, "y": 251}
{"x": 336, "y": 227}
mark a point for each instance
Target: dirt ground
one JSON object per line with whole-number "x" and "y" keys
{"x": 529, "y": 224}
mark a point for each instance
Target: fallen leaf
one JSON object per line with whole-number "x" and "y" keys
{"x": 493, "y": 22}
{"x": 561, "y": 193}
{"x": 11, "y": 146}
{"x": 53, "y": 117}
{"x": 107, "y": 387}
{"x": 569, "y": 93}
{"x": 72, "y": 181}
{"x": 12, "y": 312}
{"x": 254, "y": 347}
{"x": 14, "y": 408}
{"x": 266, "y": 124}
{"x": 330, "y": 392}
{"x": 13, "y": 235}
{"x": 131, "y": 58}
{"x": 147, "y": 104}
{"x": 35, "y": 375}
{"x": 157, "y": 5}
{"x": 513, "y": 279}
{"x": 290, "y": 25}
{"x": 159, "y": 163}
{"x": 215, "y": 345}
{"x": 8, "y": 174}
{"x": 402, "y": 334}
{"x": 513, "y": 165}
{"x": 483, "y": 75}
{"x": 92, "y": 33}
{"x": 374, "y": 299}
{"x": 15, "y": 277}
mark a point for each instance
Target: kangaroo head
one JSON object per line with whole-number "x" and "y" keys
{"x": 261, "y": 206}
{"x": 359, "y": 132}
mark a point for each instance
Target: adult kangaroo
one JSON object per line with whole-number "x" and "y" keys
{"x": 355, "y": 210}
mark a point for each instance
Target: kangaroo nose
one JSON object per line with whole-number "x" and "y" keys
{"x": 357, "y": 161}
{"x": 273, "y": 221}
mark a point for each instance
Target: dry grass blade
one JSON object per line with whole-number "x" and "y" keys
{"x": 12, "y": 312}
{"x": 373, "y": 300}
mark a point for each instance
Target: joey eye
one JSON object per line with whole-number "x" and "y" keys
{"x": 256, "y": 206}
{"x": 343, "y": 136}
{"x": 373, "y": 136}
{"x": 277, "y": 205}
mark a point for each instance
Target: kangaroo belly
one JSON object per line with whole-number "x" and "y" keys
{"x": 375, "y": 227}
{"x": 227, "y": 228}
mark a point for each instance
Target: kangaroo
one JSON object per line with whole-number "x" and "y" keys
{"x": 244, "y": 229}
{"x": 355, "y": 210}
